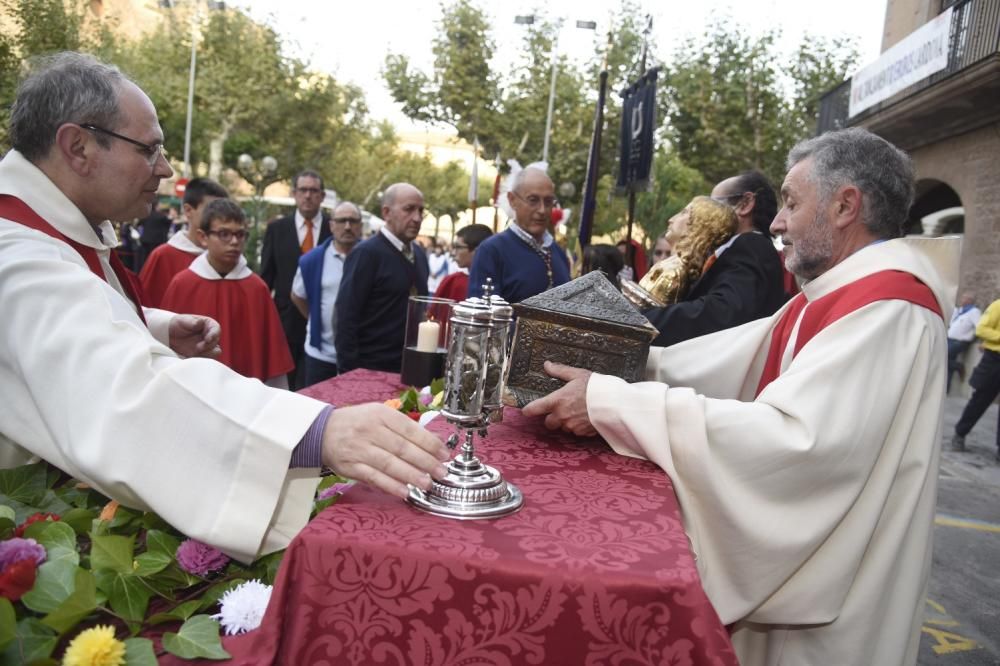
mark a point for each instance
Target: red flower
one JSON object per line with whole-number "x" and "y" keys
{"x": 17, "y": 579}
{"x": 34, "y": 518}
{"x": 415, "y": 415}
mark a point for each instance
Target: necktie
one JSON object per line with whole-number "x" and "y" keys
{"x": 307, "y": 242}
{"x": 708, "y": 263}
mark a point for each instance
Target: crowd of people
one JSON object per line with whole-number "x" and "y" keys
{"x": 807, "y": 488}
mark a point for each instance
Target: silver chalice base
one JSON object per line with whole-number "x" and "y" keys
{"x": 469, "y": 491}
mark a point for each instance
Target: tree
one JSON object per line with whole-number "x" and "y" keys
{"x": 39, "y": 27}
{"x": 462, "y": 90}
{"x": 731, "y": 105}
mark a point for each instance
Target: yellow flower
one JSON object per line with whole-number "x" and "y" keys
{"x": 96, "y": 646}
{"x": 395, "y": 403}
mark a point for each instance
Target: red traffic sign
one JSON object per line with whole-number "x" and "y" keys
{"x": 180, "y": 186}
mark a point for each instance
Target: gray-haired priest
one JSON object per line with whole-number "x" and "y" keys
{"x": 804, "y": 447}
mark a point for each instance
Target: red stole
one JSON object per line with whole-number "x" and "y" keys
{"x": 16, "y": 210}
{"x": 881, "y": 286}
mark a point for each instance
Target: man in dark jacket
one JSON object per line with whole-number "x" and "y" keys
{"x": 745, "y": 280}
{"x": 380, "y": 275}
{"x": 285, "y": 240}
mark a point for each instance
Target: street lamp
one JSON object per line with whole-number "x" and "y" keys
{"x": 211, "y": 4}
{"x": 529, "y": 20}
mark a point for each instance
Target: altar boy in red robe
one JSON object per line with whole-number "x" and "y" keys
{"x": 176, "y": 254}
{"x": 219, "y": 284}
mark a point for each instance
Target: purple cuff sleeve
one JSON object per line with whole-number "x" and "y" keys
{"x": 309, "y": 451}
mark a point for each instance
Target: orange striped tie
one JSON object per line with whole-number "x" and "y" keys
{"x": 307, "y": 242}
{"x": 708, "y": 263}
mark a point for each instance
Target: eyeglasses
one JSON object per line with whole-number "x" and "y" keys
{"x": 152, "y": 151}
{"x": 733, "y": 199}
{"x": 226, "y": 236}
{"x": 534, "y": 201}
{"x": 308, "y": 190}
{"x": 347, "y": 220}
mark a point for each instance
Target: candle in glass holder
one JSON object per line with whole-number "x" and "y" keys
{"x": 427, "y": 336}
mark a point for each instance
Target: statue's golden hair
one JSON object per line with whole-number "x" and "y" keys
{"x": 711, "y": 224}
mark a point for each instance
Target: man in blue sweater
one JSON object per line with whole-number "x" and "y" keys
{"x": 379, "y": 277}
{"x": 315, "y": 289}
{"x": 524, "y": 260}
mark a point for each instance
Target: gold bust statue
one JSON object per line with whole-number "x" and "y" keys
{"x": 698, "y": 230}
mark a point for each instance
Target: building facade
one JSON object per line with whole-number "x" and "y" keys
{"x": 948, "y": 121}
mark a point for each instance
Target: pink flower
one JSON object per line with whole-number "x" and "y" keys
{"x": 335, "y": 489}
{"x": 17, "y": 549}
{"x": 200, "y": 559}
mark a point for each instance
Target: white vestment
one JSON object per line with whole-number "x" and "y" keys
{"x": 87, "y": 387}
{"x": 810, "y": 507}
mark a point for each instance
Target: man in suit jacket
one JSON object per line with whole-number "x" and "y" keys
{"x": 380, "y": 275}
{"x": 744, "y": 281}
{"x": 285, "y": 240}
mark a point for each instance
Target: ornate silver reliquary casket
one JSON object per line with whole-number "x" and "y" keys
{"x": 585, "y": 323}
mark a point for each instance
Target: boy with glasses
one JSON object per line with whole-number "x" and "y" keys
{"x": 218, "y": 284}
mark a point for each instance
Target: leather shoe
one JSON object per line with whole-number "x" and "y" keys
{"x": 958, "y": 443}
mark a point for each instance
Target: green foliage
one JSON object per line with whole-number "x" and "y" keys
{"x": 39, "y": 27}
{"x": 198, "y": 638}
{"x": 461, "y": 90}
{"x": 734, "y": 102}
{"x": 121, "y": 570}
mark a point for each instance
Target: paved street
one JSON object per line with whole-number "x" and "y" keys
{"x": 962, "y": 613}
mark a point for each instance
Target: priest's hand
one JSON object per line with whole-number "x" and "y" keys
{"x": 382, "y": 447}
{"x": 566, "y": 407}
{"x": 194, "y": 335}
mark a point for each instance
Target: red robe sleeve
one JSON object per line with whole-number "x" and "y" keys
{"x": 163, "y": 264}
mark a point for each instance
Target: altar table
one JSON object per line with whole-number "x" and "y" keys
{"x": 594, "y": 569}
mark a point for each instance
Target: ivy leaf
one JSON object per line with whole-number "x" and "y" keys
{"x": 52, "y": 503}
{"x": 197, "y": 638}
{"x": 112, "y": 552}
{"x": 148, "y": 564}
{"x": 58, "y": 539}
{"x": 161, "y": 542}
{"x": 212, "y": 595}
{"x": 127, "y": 594}
{"x": 54, "y": 584}
{"x": 6, "y": 512}
{"x": 410, "y": 400}
{"x": 25, "y": 484}
{"x": 8, "y": 622}
{"x": 7, "y": 526}
{"x": 139, "y": 652}
{"x": 33, "y": 641}
{"x": 79, "y": 519}
{"x": 77, "y": 606}
{"x": 124, "y": 517}
{"x": 178, "y": 613}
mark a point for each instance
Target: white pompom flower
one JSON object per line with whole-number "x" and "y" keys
{"x": 242, "y": 608}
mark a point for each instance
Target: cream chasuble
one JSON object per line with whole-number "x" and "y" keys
{"x": 809, "y": 507}
{"x": 87, "y": 387}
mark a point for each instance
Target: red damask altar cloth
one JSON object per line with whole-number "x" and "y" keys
{"x": 595, "y": 569}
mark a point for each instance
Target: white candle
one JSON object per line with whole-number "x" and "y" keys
{"x": 427, "y": 336}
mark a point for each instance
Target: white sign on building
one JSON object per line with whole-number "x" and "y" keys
{"x": 920, "y": 54}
